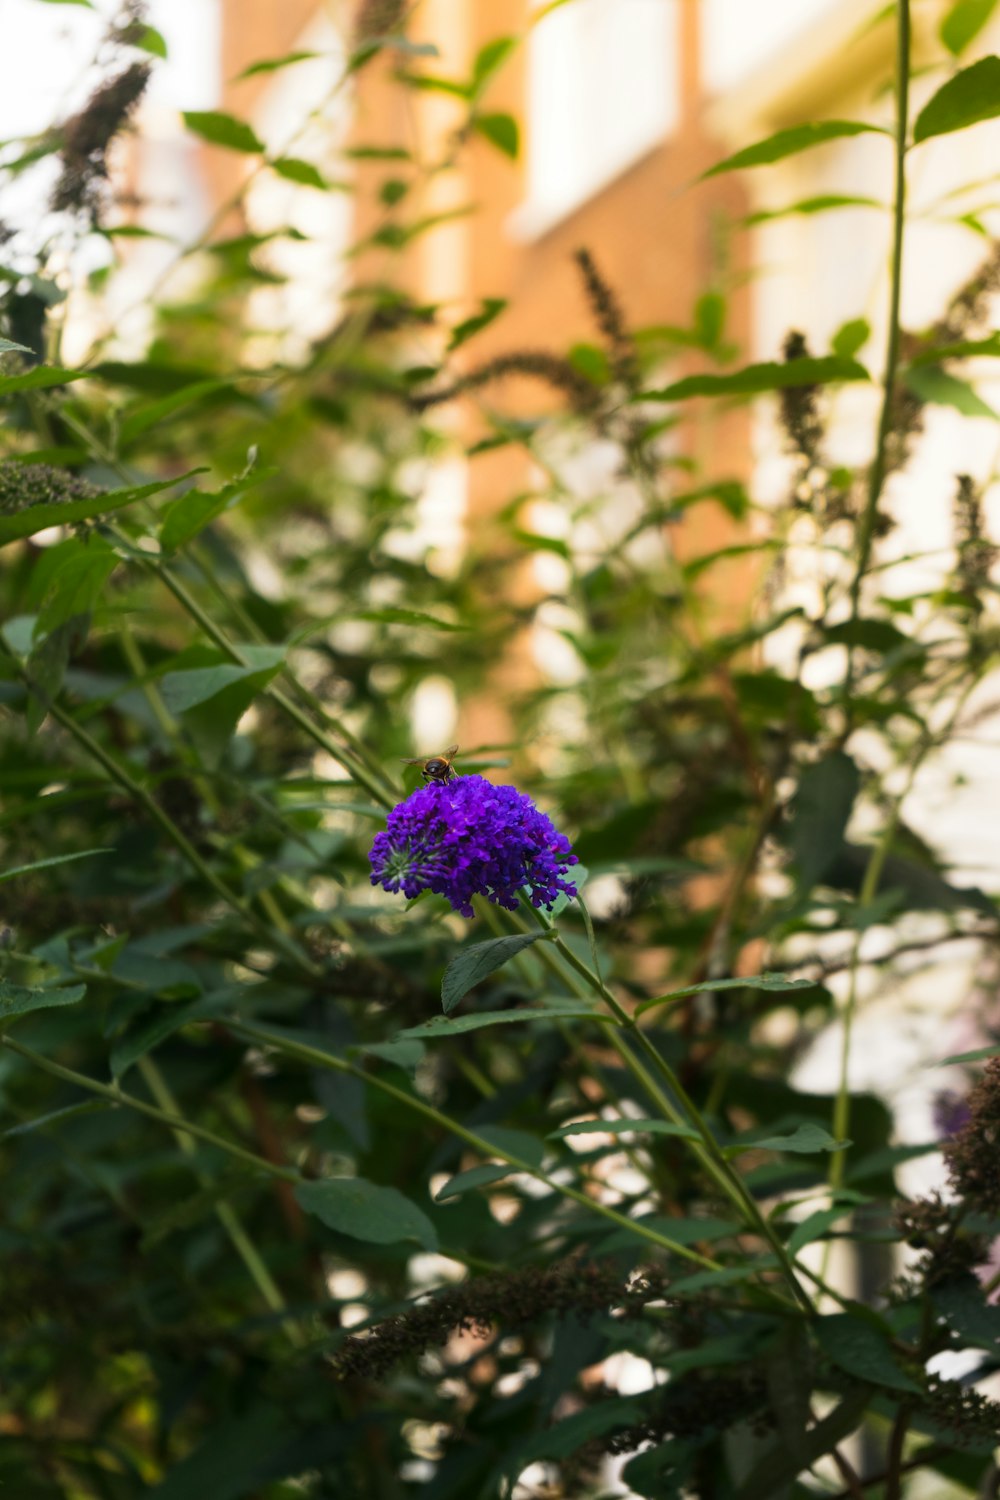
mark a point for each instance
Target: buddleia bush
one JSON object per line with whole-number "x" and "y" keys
{"x": 346, "y": 1151}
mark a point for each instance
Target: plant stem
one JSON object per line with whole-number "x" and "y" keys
{"x": 172, "y": 1121}
{"x": 707, "y": 1148}
{"x": 877, "y": 472}
{"x": 318, "y": 1058}
{"x": 224, "y": 1212}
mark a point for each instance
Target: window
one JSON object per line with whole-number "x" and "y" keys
{"x": 602, "y": 91}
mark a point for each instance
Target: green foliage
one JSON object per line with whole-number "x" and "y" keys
{"x": 275, "y": 1225}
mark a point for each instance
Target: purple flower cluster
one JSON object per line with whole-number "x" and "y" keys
{"x": 468, "y": 838}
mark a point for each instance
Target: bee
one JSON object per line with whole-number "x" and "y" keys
{"x": 436, "y": 767}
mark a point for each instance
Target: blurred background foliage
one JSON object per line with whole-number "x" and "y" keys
{"x": 224, "y": 1149}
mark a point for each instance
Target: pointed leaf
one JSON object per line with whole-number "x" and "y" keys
{"x": 474, "y": 1177}
{"x": 19, "y": 999}
{"x": 773, "y": 983}
{"x": 220, "y": 129}
{"x": 623, "y": 1127}
{"x": 294, "y": 169}
{"x": 789, "y": 142}
{"x": 67, "y": 512}
{"x": 970, "y": 96}
{"x": 805, "y": 1139}
{"x": 365, "y": 1211}
{"x": 753, "y": 380}
{"x": 963, "y": 23}
{"x": 555, "y": 1010}
{"x": 501, "y": 130}
{"x": 820, "y": 814}
{"x": 55, "y": 859}
{"x": 862, "y": 1349}
{"x": 184, "y": 690}
{"x": 931, "y": 383}
{"x": 272, "y": 64}
{"x": 472, "y": 965}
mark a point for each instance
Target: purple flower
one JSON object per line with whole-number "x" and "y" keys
{"x": 470, "y": 838}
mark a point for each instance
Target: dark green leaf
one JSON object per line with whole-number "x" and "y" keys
{"x": 553, "y": 1010}
{"x": 860, "y": 1347}
{"x": 473, "y": 1177}
{"x": 972, "y": 95}
{"x": 966, "y": 1057}
{"x": 222, "y": 130}
{"x": 19, "y": 999}
{"x": 780, "y": 1466}
{"x": 753, "y": 380}
{"x": 931, "y": 383}
{"x": 815, "y": 1226}
{"x": 393, "y": 616}
{"x": 55, "y": 859}
{"x": 365, "y": 1211}
{"x": 820, "y": 813}
{"x": 500, "y": 130}
{"x": 773, "y": 983}
{"x": 805, "y": 1138}
{"x": 963, "y": 22}
{"x": 67, "y": 512}
{"x": 624, "y": 1127}
{"x": 472, "y": 965}
{"x": 41, "y": 378}
{"x": 183, "y": 690}
{"x": 790, "y": 142}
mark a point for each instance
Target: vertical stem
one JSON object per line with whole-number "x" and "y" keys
{"x": 877, "y": 473}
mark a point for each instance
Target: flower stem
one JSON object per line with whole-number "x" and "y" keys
{"x": 316, "y": 1057}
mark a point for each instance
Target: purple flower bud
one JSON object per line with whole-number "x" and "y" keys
{"x": 470, "y": 838}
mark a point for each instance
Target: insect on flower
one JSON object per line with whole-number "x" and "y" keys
{"x": 436, "y": 767}
{"x": 462, "y": 836}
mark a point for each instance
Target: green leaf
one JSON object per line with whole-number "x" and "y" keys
{"x": 148, "y": 39}
{"x": 186, "y": 517}
{"x": 861, "y": 1348}
{"x": 365, "y": 1211}
{"x": 753, "y": 380}
{"x": 970, "y": 96}
{"x": 76, "y": 585}
{"x": 41, "y": 378}
{"x": 67, "y": 512}
{"x": 790, "y": 142}
{"x": 8, "y": 346}
{"x": 393, "y": 616}
{"x": 294, "y": 169}
{"x": 492, "y": 307}
{"x": 511, "y": 1142}
{"x": 963, "y": 23}
{"x": 815, "y": 1226}
{"x": 501, "y": 130}
{"x": 184, "y": 690}
{"x": 472, "y": 965}
{"x": 931, "y": 383}
{"x": 473, "y": 1177}
{"x": 220, "y": 129}
{"x": 19, "y": 999}
{"x": 805, "y": 1139}
{"x": 962, "y": 349}
{"x": 773, "y": 983}
{"x": 272, "y": 64}
{"x": 554, "y": 1010}
{"x": 55, "y": 859}
{"x": 164, "y": 1024}
{"x": 624, "y": 1127}
{"x": 819, "y": 816}
{"x": 850, "y": 337}
{"x": 821, "y": 204}
{"x": 966, "y": 1057}
{"x": 489, "y": 59}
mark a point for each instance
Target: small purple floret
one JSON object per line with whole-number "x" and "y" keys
{"x": 470, "y": 838}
